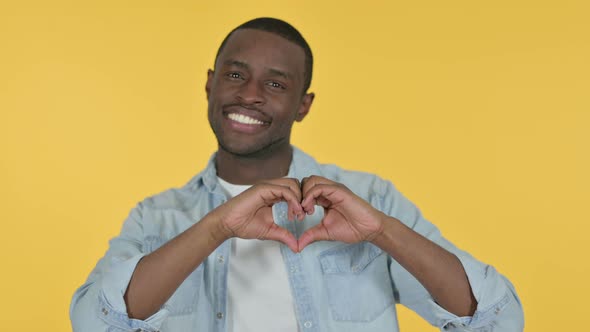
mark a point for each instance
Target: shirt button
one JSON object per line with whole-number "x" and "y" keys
{"x": 307, "y": 324}
{"x": 220, "y": 259}
{"x": 355, "y": 269}
{"x": 105, "y": 311}
{"x": 293, "y": 269}
{"x": 219, "y": 315}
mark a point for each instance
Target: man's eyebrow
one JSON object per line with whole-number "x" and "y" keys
{"x": 273, "y": 71}
{"x": 236, "y": 63}
{"x": 281, "y": 73}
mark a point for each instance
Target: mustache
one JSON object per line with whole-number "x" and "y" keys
{"x": 249, "y": 107}
{"x": 242, "y": 105}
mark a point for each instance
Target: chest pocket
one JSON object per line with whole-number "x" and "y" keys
{"x": 357, "y": 281}
{"x": 184, "y": 300}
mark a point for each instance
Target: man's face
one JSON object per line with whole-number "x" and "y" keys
{"x": 256, "y": 92}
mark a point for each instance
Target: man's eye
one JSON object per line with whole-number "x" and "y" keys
{"x": 276, "y": 85}
{"x": 234, "y": 75}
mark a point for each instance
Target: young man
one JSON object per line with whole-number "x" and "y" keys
{"x": 266, "y": 239}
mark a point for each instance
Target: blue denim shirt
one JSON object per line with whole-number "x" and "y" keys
{"x": 335, "y": 286}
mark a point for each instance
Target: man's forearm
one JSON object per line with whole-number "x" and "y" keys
{"x": 159, "y": 274}
{"x": 438, "y": 270}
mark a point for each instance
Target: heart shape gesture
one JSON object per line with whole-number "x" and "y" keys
{"x": 347, "y": 217}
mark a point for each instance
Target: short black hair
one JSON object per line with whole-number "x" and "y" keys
{"x": 283, "y": 29}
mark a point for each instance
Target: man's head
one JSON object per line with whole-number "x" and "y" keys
{"x": 283, "y": 29}
{"x": 258, "y": 87}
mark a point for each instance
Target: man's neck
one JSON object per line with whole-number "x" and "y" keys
{"x": 250, "y": 170}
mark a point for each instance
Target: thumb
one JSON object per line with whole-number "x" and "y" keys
{"x": 316, "y": 233}
{"x": 277, "y": 233}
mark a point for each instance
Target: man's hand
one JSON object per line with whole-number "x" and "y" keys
{"x": 249, "y": 215}
{"x": 347, "y": 217}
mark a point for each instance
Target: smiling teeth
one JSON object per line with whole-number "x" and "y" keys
{"x": 244, "y": 119}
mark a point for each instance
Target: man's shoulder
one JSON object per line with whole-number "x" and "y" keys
{"x": 359, "y": 182}
{"x": 176, "y": 198}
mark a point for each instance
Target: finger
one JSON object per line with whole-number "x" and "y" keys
{"x": 316, "y": 233}
{"x": 303, "y": 182}
{"x": 312, "y": 181}
{"x": 295, "y": 186}
{"x": 282, "y": 235}
{"x": 324, "y": 195}
{"x": 291, "y": 183}
{"x": 308, "y": 184}
{"x": 272, "y": 194}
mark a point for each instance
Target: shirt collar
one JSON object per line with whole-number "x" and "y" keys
{"x": 302, "y": 165}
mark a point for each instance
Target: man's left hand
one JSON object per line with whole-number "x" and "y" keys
{"x": 347, "y": 217}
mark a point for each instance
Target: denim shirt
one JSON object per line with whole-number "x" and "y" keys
{"x": 335, "y": 286}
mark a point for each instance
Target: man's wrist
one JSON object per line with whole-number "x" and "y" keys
{"x": 215, "y": 229}
{"x": 386, "y": 236}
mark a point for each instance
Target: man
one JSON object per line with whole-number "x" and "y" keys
{"x": 266, "y": 239}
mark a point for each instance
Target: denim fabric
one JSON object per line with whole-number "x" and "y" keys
{"x": 335, "y": 286}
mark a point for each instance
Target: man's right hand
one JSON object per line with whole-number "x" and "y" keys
{"x": 249, "y": 215}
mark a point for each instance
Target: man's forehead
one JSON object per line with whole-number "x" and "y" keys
{"x": 267, "y": 46}
{"x": 249, "y": 35}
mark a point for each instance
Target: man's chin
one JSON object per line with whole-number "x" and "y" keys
{"x": 242, "y": 150}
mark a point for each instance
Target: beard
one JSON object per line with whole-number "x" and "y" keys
{"x": 255, "y": 150}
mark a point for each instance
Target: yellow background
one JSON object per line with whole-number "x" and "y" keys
{"x": 478, "y": 111}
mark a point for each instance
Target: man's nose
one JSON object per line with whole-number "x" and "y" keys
{"x": 252, "y": 92}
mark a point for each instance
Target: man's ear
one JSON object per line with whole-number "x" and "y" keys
{"x": 210, "y": 74}
{"x": 306, "y": 102}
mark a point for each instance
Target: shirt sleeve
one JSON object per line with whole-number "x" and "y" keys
{"x": 98, "y": 305}
{"x": 498, "y": 308}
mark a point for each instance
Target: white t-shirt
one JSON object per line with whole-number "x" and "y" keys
{"x": 259, "y": 294}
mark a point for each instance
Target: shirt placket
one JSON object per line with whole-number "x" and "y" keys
{"x": 307, "y": 315}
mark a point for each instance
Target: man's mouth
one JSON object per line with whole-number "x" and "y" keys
{"x": 241, "y": 118}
